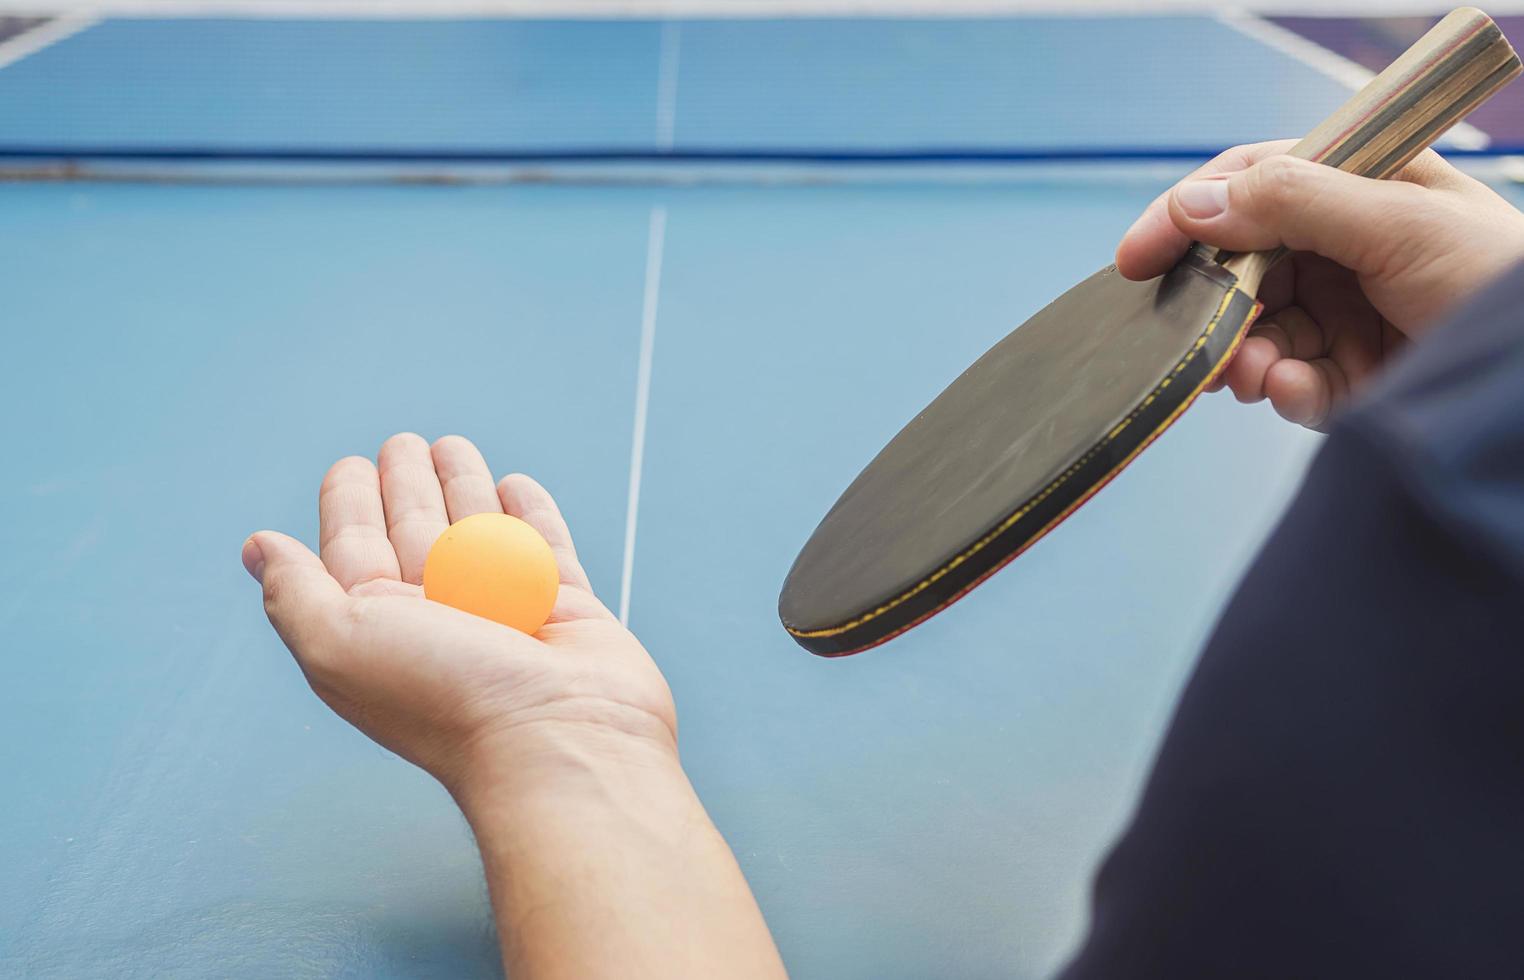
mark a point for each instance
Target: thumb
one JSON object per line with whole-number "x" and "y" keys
{"x": 1364, "y": 225}
{"x": 305, "y": 604}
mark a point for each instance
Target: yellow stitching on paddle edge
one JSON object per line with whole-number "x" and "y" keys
{"x": 1047, "y": 491}
{"x": 1179, "y": 409}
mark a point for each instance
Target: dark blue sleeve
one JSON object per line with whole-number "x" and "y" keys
{"x": 1341, "y": 792}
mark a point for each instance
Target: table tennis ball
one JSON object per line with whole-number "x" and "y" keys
{"x": 494, "y": 566}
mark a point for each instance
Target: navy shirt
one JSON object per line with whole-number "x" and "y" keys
{"x": 1341, "y": 792}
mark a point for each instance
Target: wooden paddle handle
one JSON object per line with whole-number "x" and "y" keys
{"x": 1430, "y": 87}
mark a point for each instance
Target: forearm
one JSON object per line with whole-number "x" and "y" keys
{"x": 601, "y": 862}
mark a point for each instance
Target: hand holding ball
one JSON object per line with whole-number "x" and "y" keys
{"x": 494, "y": 566}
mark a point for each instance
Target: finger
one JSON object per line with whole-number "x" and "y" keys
{"x": 1429, "y": 169}
{"x": 1306, "y": 392}
{"x": 414, "y": 504}
{"x": 1153, "y": 244}
{"x": 1247, "y": 380}
{"x": 306, "y": 605}
{"x": 1246, "y": 374}
{"x": 464, "y": 478}
{"x": 525, "y": 499}
{"x": 1356, "y": 349}
{"x": 1338, "y": 382}
{"x": 576, "y": 604}
{"x": 1299, "y": 392}
{"x": 1304, "y": 206}
{"x": 352, "y": 525}
{"x": 1270, "y": 330}
{"x": 1304, "y": 336}
{"x": 1294, "y": 333}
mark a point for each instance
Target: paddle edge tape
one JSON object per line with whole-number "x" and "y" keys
{"x": 1030, "y": 522}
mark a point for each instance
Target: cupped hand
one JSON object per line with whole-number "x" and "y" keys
{"x": 1373, "y": 263}
{"x": 451, "y": 692}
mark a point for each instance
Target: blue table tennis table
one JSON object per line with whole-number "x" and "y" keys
{"x": 234, "y": 250}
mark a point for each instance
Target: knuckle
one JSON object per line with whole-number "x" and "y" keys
{"x": 1279, "y": 180}
{"x": 274, "y": 593}
{"x": 1244, "y": 156}
{"x": 1248, "y": 154}
{"x": 359, "y": 617}
{"x": 357, "y": 614}
{"x": 1233, "y": 158}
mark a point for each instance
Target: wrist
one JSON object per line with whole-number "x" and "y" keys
{"x": 601, "y": 861}
{"x": 571, "y": 755}
{"x": 582, "y": 803}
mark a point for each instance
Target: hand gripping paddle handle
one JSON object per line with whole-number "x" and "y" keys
{"x": 1433, "y": 85}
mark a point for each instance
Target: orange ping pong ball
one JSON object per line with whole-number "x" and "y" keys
{"x": 494, "y": 566}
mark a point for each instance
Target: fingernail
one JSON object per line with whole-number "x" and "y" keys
{"x": 254, "y": 560}
{"x": 1205, "y": 198}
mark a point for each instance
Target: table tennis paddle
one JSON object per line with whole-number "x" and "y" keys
{"x": 1055, "y": 410}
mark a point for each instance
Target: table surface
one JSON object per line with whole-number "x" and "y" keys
{"x": 183, "y": 360}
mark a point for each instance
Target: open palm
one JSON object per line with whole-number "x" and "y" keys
{"x": 436, "y": 685}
